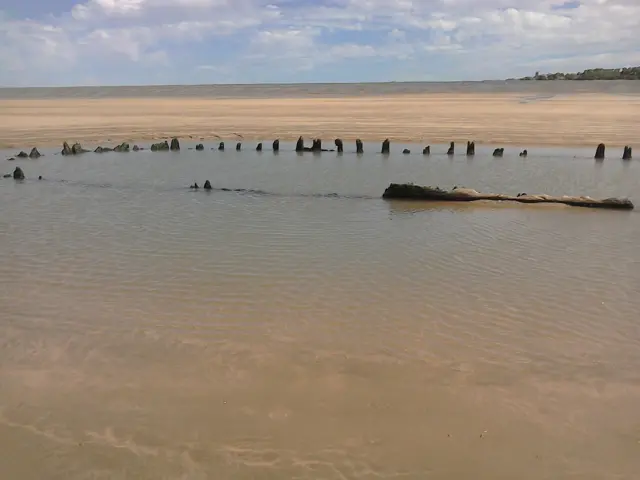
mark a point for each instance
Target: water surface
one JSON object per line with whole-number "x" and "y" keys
{"x": 531, "y": 89}
{"x": 309, "y": 329}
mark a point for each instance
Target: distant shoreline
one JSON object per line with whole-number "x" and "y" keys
{"x": 593, "y": 74}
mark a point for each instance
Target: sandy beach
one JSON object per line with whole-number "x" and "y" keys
{"x": 495, "y": 118}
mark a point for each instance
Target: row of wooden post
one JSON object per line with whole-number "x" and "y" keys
{"x": 386, "y": 148}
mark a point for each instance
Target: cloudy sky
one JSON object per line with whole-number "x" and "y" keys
{"x": 112, "y": 42}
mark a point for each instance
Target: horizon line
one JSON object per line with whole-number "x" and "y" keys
{"x": 260, "y": 84}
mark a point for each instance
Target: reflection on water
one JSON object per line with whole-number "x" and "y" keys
{"x": 153, "y": 332}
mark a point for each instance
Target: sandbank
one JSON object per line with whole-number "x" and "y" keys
{"x": 492, "y": 118}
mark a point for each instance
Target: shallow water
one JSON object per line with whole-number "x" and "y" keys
{"x": 309, "y": 329}
{"x": 532, "y": 90}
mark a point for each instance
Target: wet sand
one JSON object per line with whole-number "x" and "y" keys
{"x": 582, "y": 119}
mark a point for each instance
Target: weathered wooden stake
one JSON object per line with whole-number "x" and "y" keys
{"x": 452, "y": 148}
{"x": 471, "y": 149}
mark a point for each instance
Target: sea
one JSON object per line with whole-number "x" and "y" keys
{"x": 291, "y": 323}
{"x": 537, "y": 89}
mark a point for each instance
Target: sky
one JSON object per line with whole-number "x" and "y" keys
{"x": 133, "y": 42}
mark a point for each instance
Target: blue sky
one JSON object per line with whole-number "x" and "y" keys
{"x": 126, "y": 42}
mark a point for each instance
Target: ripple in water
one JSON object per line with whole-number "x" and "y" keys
{"x": 149, "y": 331}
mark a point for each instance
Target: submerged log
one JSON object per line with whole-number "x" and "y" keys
{"x": 339, "y": 145}
{"x": 471, "y": 149}
{"x": 359, "y": 146}
{"x": 416, "y": 192}
{"x": 426, "y": 150}
{"x": 452, "y": 148}
{"x": 626, "y": 155}
{"x": 600, "y": 152}
{"x": 524, "y": 153}
{"x": 386, "y": 147}
{"x": 498, "y": 152}
{"x": 406, "y": 151}
{"x": 221, "y": 146}
{"x": 259, "y": 147}
{"x": 276, "y": 145}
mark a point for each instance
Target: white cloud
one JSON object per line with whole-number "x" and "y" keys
{"x": 489, "y": 37}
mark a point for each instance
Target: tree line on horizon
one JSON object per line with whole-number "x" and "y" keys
{"x": 627, "y": 73}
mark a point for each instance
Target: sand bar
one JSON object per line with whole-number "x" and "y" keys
{"x": 493, "y": 118}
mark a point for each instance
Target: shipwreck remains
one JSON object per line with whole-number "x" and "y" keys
{"x": 76, "y": 149}
{"x": 471, "y": 149}
{"x": 18, "y": 174}
{"x": 408, "y": 191}
{"x": 160, "y": 147}
{"x": 452, "y": 148}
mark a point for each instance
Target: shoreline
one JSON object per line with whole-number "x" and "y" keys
{"x": 500, "y": 119}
